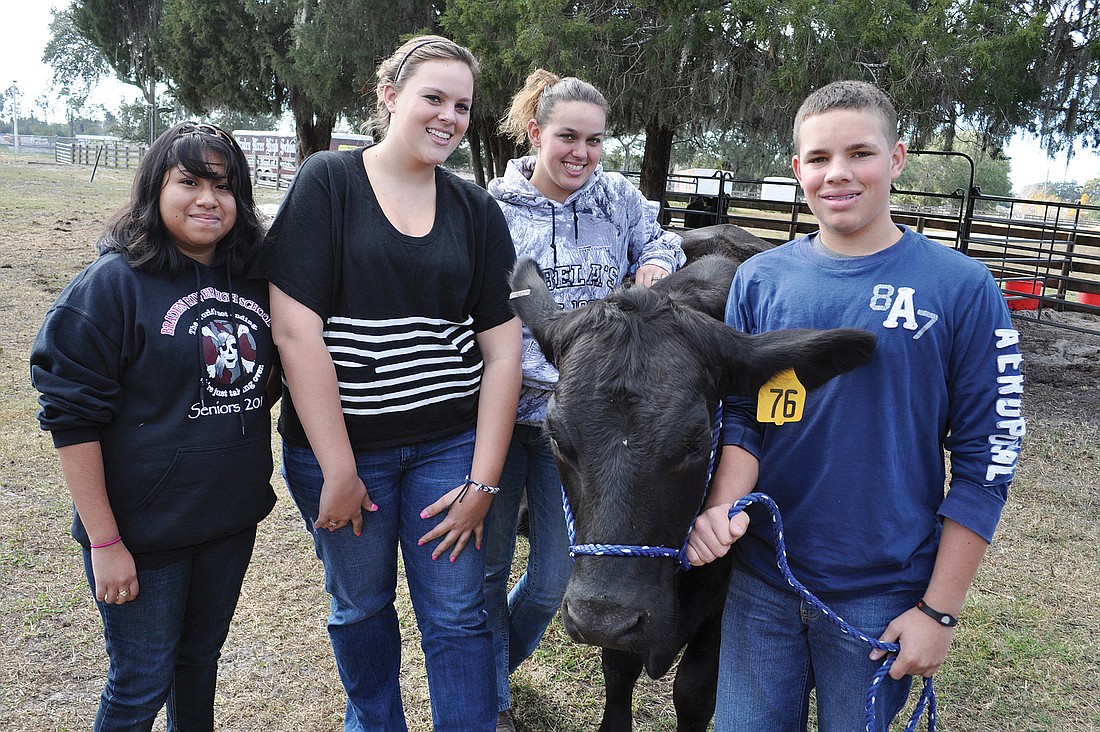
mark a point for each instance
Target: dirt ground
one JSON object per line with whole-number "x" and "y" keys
{"x": 1061, "y": 366}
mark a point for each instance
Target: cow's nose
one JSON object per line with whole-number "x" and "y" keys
{"x": 602, "y": 622}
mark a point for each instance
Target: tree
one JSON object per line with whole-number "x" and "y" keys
{"x": 937, "y": 173}
{"x": 950, "y": 65}
{"x": 735, "y": 71}
{"x": 316, "y": 58}
{"x": 74, "y": 106}
{"x": 126, "y": 32}
{"x": 662, "y": 64}
{"x": 490, "y": 29}
{"x": 1090, "y": 192}
{"x": 254, "y": 57}
{"x": 730, "y": 72}
{"x": 1066, "y": 190}
{"x": 76, "y": 62}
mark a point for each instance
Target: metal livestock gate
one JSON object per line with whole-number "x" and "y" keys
{"x": 1044, "y": 254}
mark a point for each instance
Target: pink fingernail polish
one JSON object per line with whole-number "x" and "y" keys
{"x": 453, "y": 559}
{"x": 420, "y": 543}
{"x": 424, "y": 513}
{"x": 373, "y": 506}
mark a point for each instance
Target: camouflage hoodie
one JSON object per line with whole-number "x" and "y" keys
{"x": 584, "y": 247}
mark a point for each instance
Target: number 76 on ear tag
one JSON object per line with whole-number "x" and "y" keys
{"x": 781, "y": 399}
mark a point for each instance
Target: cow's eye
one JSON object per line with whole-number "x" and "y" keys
{"x": 693, "y": 455}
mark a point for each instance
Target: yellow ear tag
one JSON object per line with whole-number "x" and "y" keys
{"x": 781, "y": 399}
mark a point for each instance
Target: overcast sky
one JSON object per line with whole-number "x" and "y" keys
{"x": 25, "y": 33}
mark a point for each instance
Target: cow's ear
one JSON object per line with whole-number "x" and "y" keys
{"x": 815, "y": 355}
{"x": 532, "y": 302}
{"x": 703, "y": 285}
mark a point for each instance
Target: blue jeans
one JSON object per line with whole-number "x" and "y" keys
{"x": 164, "y": 645}
{"x": 361, "y": 577}
{"x": 776, "y": 648}
{"x": 520, "y": 618}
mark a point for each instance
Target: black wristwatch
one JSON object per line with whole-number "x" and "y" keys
{"x": 948, "y": 621}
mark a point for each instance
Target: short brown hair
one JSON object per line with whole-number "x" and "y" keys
{"x": 847, "y": 94}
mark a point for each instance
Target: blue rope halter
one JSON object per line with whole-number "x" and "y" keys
{"x": 928, "y": 695}
{"x": 633, "y": 550}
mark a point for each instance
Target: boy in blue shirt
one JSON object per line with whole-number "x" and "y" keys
{"x": 860, "y": 478}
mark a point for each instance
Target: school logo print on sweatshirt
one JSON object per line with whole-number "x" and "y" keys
{"x": 227, "y": 328}
{"x": 229, "y": 353}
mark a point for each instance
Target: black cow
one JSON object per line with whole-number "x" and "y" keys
{"x": 729, "y": 239}
{"x": 631, "y": 428}
{"x": 702, "y": 211}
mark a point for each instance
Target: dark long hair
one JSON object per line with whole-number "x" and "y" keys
{"x": 138, "y": 232}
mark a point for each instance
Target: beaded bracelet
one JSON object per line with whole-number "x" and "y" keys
{"x": 115, "y": 540}
{"x": 490, "y": 489}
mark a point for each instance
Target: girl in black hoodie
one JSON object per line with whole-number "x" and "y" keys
{"x": 154, "y": 366}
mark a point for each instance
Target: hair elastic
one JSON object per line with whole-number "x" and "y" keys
{"x": 115, "y": 540}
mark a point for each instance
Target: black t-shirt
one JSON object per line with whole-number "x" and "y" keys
{"x": 400, "y": 312}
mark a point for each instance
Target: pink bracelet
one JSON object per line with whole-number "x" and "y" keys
{"x": 115, "y": 540}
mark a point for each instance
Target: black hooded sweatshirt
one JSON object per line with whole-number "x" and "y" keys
{"x": 168, "y": 374}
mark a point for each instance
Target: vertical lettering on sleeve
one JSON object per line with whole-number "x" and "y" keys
{"x": 1004, "y": 445}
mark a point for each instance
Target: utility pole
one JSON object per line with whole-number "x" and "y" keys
{"x": 15, "y": 113}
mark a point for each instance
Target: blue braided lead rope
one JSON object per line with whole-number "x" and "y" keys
{"x": 644, "y": 550}
{"x": 928, "y": 695}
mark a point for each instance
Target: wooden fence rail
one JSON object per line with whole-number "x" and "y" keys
{"x": 109, "y": 154}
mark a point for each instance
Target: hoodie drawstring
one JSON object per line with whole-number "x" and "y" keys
{"x": 232, "y": 321}
{"x": 199, "y": 340}
{"x": 553, "y": 233}
{"x": 554, "y": 230}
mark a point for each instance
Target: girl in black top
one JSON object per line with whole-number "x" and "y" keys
{"x": 390, "y": 309}
{"x": 153, "y": 366}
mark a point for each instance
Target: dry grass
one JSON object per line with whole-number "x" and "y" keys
{"x": 1024, "y": 658}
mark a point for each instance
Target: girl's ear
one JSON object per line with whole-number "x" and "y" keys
{"x": 534, "y": 134}
{"x": 389, "y": 96}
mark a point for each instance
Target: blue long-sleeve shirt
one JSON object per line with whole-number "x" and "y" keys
{"x": 860, "y": 481}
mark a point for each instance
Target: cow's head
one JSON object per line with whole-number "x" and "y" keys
{"x": 630, "y": 424}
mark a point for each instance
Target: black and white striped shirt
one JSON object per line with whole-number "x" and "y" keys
{"x": 401, "y": 313}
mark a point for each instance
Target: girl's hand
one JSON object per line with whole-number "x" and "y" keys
{"x": 465, "y": 519}
{"x": 115, "y": 574}
{"x": 648, "y": 274}
{"x": 343, "y": 502}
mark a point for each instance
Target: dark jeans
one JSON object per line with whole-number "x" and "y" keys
{"x": 164, "y": 645}
{"x": 361, "y": 575}
{"x": 520, "y": 617}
